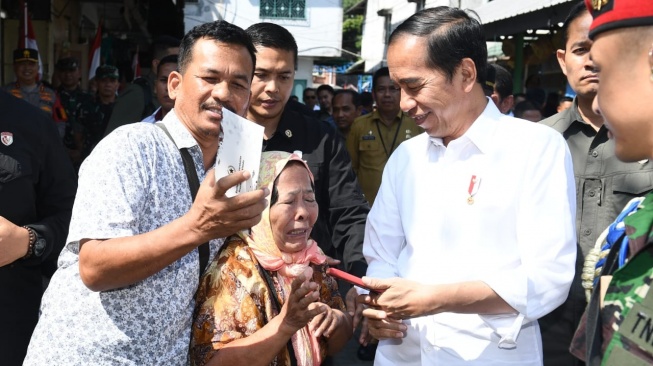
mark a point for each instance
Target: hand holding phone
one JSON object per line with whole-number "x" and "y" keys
{"x": 350, "y": 278}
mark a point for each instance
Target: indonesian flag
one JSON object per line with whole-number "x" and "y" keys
{"x": 136, "y": 66}
{"x": 26, "y": 38}
{"x": 94, "y": 53}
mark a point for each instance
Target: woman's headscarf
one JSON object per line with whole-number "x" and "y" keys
{"x": 288, "y": 266}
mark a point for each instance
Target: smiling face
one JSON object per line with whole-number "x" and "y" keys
{"x": 575, "y": 59}
{"x": 624, "y": 65}
{"x": 294, "y": 213}
{"x": 26, "y": 72}
{"x": 272, "y": 84}
{"x": 217, "y": 76}
{"x": 426, "y": 94}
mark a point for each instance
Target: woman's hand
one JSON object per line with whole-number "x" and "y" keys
{"x": 329, "y": 321}
{"x": 380, "y": 326}
{"x": 300, "y": 306}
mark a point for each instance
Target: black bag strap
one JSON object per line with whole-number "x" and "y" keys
{"x": 275, "y": 300}
{"x": 194, "y": 184}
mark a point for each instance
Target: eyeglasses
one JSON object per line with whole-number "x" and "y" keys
{"x": 310, "y": 97}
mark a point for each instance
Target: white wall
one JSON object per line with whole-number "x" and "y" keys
{"x": 319, "y": 35}
{"x": 373, "y": 49}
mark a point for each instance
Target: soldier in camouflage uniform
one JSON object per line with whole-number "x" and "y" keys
{"x": 72, "y": 99}
{"x": 92, "y": 119}
{"x": 620, "y": 331}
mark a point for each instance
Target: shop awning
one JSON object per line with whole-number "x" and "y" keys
{"x": 501, "y": 17}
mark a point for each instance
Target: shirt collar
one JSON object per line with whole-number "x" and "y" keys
{"x": 480, "y": 133}
{"x": 180, "y": 134}
{"x": 376, "y": 115}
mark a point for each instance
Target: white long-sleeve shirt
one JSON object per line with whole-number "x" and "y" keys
{"x": 517, "y": 236}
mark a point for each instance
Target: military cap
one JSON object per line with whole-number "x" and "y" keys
{"x": 67, "y": 63}
{"x": 106, "y": 71}
{"x": 26, "y": 54}
{"x": 613, "y": 14}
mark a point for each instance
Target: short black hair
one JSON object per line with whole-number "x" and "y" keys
{"x": 452, "y": 35}
{"x": 502, "y": 81}
{"x": 355, "y": 97}
{"x": 307, "y": 90}
{"x": 219, "y": 31}
{"x": 384, "y": 71}
{"x": 367, "y": 98}
{"x": 170, "y": 59}
{"x": 326, "y": 87}
{"x": 524, "y": 106}
{"x": 270, "y": 35}
{"x": 565, "y": 99}
{"x": 576, "y": 11}
{"x": 161, "y": 44}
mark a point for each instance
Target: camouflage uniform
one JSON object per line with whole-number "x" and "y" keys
{"x": 621, "y": 333}
{"x": 91, "y": 122}
{"x": 72, "y": 103}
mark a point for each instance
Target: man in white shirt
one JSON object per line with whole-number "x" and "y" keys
{"x": 472, "y": 233}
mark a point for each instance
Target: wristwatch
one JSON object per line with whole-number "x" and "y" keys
{"x": 36, "y": 244}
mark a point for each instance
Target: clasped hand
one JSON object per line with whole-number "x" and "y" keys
{"x": 400, "y": 299}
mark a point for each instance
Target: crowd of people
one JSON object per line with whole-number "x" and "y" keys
{"x": 473, "y": 229}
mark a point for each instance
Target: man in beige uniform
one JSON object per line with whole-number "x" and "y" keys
{"x": 373, "y": 137}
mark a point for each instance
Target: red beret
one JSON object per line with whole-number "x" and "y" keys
{"x": 613, "y": 14}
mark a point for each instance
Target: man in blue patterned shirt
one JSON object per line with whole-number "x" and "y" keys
{"x": 124, "y": 290}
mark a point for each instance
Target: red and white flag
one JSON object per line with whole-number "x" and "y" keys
{"x": 136, "y": 66}
{"x": 94, "y": 53}
{"x": 26, "y": 37}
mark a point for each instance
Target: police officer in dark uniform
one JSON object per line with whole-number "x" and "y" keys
{"x": 72, "y": 99}
{"x": 26, "y": 86}
{"x": 37, "y": 190}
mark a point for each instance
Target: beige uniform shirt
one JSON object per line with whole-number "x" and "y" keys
{"x": 371, "y": 142}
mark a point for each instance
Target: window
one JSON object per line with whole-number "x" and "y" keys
{"x": 283, "y": 9}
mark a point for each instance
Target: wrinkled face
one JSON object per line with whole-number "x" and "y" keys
{"x": 575, "y": 60}
{"x": 426, "y": 94}
{"x": 293, "y": 215}
{"x": 310, "y": 99}
{"x": 624, "y": 98}
{"x": 217, "y": 76}
{"x": 324, "y": 97}
{"x": 161, "y": 85}
{"x": 344, "y": 111}
{"x": 26, "y": 72}
{"x": 70, "y": 78}
{"x": 107, "y": 87}
{"x": 386, "y": 95}
{"x": 272, "y": 84}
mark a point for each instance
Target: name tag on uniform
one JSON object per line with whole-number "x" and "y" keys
{"x": 369, "y": 137}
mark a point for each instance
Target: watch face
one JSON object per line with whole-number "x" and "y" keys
{"x": 39, "y": 247}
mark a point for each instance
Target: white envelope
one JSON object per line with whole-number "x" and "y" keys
{"x": 240, "y": 149}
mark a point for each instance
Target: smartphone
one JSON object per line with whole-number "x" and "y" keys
{"x": 350, "y": 278}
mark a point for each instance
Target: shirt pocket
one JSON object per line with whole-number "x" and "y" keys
{"x": 13, "y": 167}
{"x": 369, "y": 145}
{"x": 633, "y": 184}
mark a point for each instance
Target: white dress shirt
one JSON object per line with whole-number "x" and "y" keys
{"x": 517, "y": 236}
